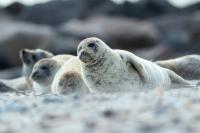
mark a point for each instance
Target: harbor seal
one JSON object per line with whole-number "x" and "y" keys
{"x": 107, "y": 70}
{"x": 186, "y": 66}
{"x": 28, "y": 57}
{"x": 44, "y": 71}
{"x": 69, "y": 80}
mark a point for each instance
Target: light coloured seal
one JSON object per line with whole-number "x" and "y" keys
{"x": 187, "y": 66}
{"x": 28, "y": 57}
{"x": 107, "y": 70}
{"x": 69, "y": 79}
{"x": 44, "y": 71}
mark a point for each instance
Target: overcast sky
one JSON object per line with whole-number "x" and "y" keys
{"x": 178, "y": 3}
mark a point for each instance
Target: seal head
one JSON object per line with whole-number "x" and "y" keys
{"x": 44, "y": 70}
{"x": 30, "y": 57}
{"x": 90, "y": 50}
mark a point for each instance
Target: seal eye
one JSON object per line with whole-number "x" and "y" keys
{"x": 91, "y": 45}
{"x": 34, "y": 57}
{"x": 44, "y": 67}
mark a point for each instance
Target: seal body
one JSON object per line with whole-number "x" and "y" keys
{"x": 187, "y": 66}
{"x": 44, "y": 71}
{"x": 107, "y": 70}
{"x": 69, "y": 79}
{"x": 18, "y": 84}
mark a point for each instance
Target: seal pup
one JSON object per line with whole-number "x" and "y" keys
{"x": 44, "y": 71}
{"x": 69, "y": 79}
{"x": 186, "y": 66}
{"x": 28, "y": 57}
{"x": 107, "y": 70}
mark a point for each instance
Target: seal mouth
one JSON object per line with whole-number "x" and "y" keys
{"x": 85, "y": 57}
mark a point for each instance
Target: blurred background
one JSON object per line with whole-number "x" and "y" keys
{"x": 152, "y": 29}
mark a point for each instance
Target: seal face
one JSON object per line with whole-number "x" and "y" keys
{"x": 43, "y": 74}
{"x": 89, "y": 51}
{"x": 107, "y": 70}
{"x": 43, "y": 70}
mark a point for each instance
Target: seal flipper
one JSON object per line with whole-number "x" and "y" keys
{"x": 135, "y": 63}
{"x": 178, "y": 80}
{"x": 4, "y": 88}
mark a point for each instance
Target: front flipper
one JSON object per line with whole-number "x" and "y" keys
{"x": 135, "y": 63}
{"x": 4, "y": 88}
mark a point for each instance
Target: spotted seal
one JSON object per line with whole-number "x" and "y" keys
{"x": 108, "y": 70}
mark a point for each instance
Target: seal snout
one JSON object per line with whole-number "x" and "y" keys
{"x": 84, "y": 56}
{"x": 35, "y": 75}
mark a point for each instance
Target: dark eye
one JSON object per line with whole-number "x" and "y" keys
{"x": 91, "y": 45}
{"x": 34, "y": 57}
{"x": 44, "y": 67}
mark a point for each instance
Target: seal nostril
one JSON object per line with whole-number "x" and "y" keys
{"x": 35, "y": 75}
{"x": 83, "y": 53}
